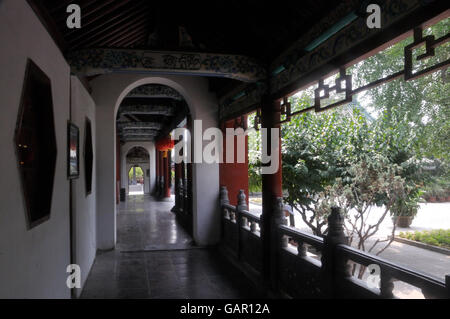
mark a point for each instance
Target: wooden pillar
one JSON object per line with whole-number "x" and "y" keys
{"x": 155, "y": 191}
{"x": 166, "y": 188}
{"x": 234, "y": 175}
{"x": 271, "y": 190}
{"x": 161, "y": 175}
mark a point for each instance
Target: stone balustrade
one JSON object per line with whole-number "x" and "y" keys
{"x": 308, "y": 266}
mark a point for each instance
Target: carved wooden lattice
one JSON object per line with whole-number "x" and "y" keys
{"x": 343, "y": 84}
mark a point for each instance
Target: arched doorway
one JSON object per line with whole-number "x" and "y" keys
{"x": 109, "y": 91}
{"x": 137, "y": 167}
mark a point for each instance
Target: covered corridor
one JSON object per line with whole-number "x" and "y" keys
{"x": 156, "y": 258}
{"x": 83, "y": 105}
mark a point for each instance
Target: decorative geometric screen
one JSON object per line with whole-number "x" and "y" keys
{"x": 88, "y": 156}
{"x": 35, "y": 143}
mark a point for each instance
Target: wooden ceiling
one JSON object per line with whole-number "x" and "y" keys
{"x": 258, "y": 29}
{"x": 149, "y": 117}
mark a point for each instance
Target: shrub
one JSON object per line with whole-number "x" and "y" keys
{"x": 437, "y": 237}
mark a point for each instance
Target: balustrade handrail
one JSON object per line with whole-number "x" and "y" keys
{"x": 391, "y": 269}
{"x": 334, "y": 250}
{"x": 303, "y": 237}
{"x": 229, "y": 207}
{"x": 250, "y": 216}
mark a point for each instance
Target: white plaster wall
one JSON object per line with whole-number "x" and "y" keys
{"x": 32, "y": 262}
{"x": 108, "y": 92}
{"x": 124, "y": 168}
{"x": 84, "y": 205}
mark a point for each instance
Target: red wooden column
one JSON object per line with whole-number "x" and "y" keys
{"x": 161, "y": 174}
{"x": 234, "y": 175}
{"x": 271, "y": 189}
{"x": 155, "y": 191}
{"x": 166, "y": 189}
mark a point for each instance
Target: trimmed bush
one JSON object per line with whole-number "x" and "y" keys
{"x": 437, "y": 237}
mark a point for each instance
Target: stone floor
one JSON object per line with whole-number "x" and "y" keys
{"x": 156, "y": 258}
{"x": 145, "y": 224}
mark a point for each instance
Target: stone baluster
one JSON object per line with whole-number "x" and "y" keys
{"x": 301, "y": 249}
{"x": 241, "y": 202}
{"x": 241, "y": 205}
{"x": 334, "y": 269}
{"x": 224, "y": 200}
{"x": 244, "y": 222}
{"x": 386, "y": 286}
{"x": 224, "y": 195}
{"x": 253, "y": 226}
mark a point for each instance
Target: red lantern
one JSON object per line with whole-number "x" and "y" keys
{"x": 165, "y": 144}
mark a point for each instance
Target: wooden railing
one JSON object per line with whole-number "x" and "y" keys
{"x": 240, "y": 230}
{"x": 389, "y": 272}
{"x": 309, "y": 266}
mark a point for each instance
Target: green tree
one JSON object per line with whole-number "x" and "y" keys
{"x": 423, "y": 103}
{"x": 318, "y": 148}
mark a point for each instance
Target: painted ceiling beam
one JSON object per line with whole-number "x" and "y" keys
{"x": 146, "y": 100}
{"x": 139, "y": 125}
{"x": 137, "y": 138}
{"x": 91, "y": 62}
{"x": 155, "y": 91}
{"x": 139, "y": 133}
{"x": 146, "y": 109}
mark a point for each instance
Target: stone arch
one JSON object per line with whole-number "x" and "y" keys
{"x": 108, "y": 91}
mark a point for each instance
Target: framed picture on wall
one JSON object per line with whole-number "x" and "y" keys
{"x": 73, "y": 151}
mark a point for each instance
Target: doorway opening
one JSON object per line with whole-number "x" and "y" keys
{"x": 138, "y": 164}
{"x": 135, "y": 181}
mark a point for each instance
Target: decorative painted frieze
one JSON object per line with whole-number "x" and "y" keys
{"x": 146, "y": 109}
{"x": 100, "y": 61}
{"x": 341, "y": 42}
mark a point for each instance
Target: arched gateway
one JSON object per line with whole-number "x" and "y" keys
{"x": 108, "y": 92}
